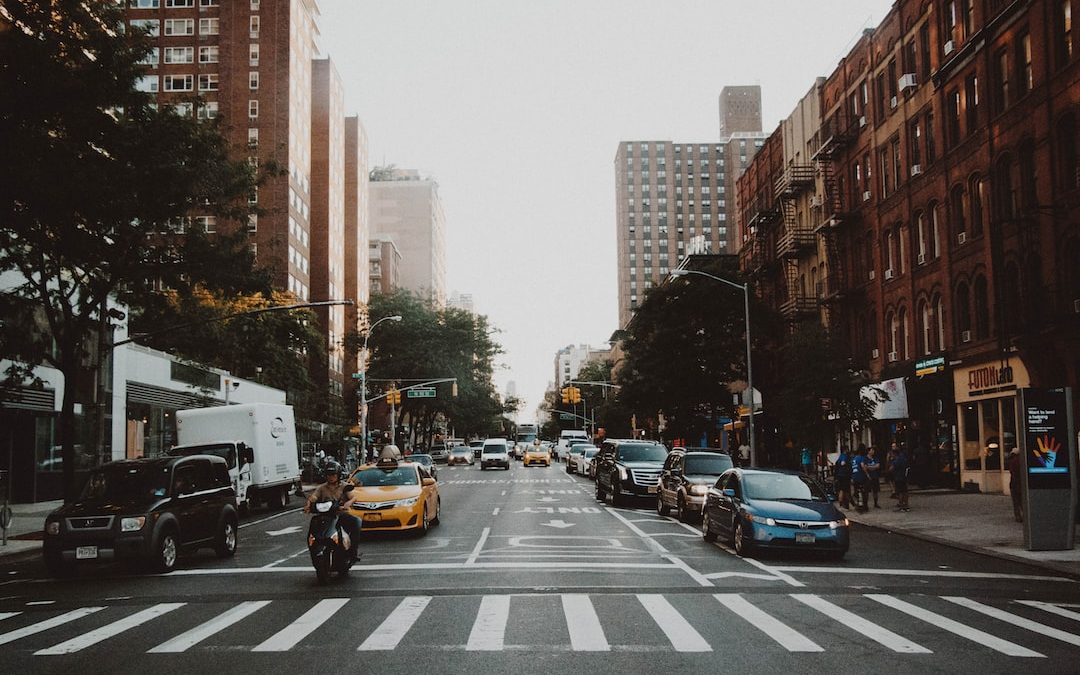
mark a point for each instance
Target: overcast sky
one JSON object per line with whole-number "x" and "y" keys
{"x": 516, "y": 108}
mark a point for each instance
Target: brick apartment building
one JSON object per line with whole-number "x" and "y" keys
{"x": 943, "y": 188}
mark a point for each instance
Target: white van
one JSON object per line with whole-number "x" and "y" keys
{"x": 565, "y": 436}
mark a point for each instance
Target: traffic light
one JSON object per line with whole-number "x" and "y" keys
{"x": 566, "y": 394}
{"x": 575, "y": 395}
{"x": 393, "y": 397}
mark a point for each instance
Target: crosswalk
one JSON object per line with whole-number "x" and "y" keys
{"x": 915, "y": 626}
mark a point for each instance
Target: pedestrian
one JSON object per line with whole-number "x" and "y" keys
{"x": 744, "y": 455}
{"x": 807, "y": 461}
{"x": 859, "y": 478}
{"x": 1016, "y": 466}
{"x": 889, "y": 459}
{"x": 873, "y": 473}
{"x": 900, "y": 470}
{"x": 842, "y": 477}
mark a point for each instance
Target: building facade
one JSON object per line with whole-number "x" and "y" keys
{"x": 384, "y": 264}
{"x": 407, "y": 208}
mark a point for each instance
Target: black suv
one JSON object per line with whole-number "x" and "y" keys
{"x": 145, "y": 510}
{"x": 627, "y": 469}
{"x": 687, "y": 476}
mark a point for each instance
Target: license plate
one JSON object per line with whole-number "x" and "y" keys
{"x": 86, "y": 553}
{"x": 372, "y": 516}
{"x": 653, "y": 489}
{"x": 805, "y": 538}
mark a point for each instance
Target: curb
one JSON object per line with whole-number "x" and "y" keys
{"x": 971, "y": 548}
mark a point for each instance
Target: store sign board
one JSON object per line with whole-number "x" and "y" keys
{"x": 929, "y": 366}
{"x": 1049, "y": 484}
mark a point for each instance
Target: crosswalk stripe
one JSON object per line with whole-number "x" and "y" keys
{"x": 110, "y": 630}
{"x": 287, "y": 638}
{"x": 394, "y": 627}
{"x": 8, "y": 615}
{"x": 682, "y": 635}
{"x": 47, "y": 624}
{"x": 879, "y": 634}
{"x": 789, "y": 638}
{"x": 489, "y": 629}
{"x": 219, "y": 623}
{"x": 586, "y": 633}
{"x": 1053, "y": 609}
{"x": 955, "y": 627}
{"x": 1018, "y": 621}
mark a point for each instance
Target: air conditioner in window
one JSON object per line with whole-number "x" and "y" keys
{"x": 907, "y": 81}
{"x": 862, "y": 121}
{"x": 816, "y": 201}
{"x": 893, "y": 356}
{"x": 949, "y": 48}
{"x": 874, "y": 353}
{"x": 965, "y": 336}
{"x": 872, "y": 275}
{"x": 866, "y": 196}
{"x": 922, "y": 258}
{"x": 888, "y": 274}
{"x": 892, "y": 102}
{"x": 916, "y": 169}
{"x": 961, "y": 238}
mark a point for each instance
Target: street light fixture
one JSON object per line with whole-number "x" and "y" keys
{"x": 745, "y": 288}
{"x": 363, "y": 384}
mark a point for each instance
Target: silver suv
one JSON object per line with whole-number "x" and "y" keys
{"x": 494, "y": 453}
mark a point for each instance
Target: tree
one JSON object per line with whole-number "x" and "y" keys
{"x": 93, "y": 172}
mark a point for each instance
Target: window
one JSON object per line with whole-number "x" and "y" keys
{"x": 977, "y": 196}
{"x": 253, "y": 109}
{"x": 253, "y": 54}
{"x": 956, "y": 209}
{"x": 883, "y": 164}
{"x": 254, "y": 5}
{"x": 1064, "y": 32}
{"x": 209, "y": 3}
{"x": 179, "y": 82}
{"x": 209, "y": 26}
{"x": 151, "y": 59}
{"x": 144, "y": 4}
{"x": 253, "y": 222}
{"x": 967, "y": 8}
{"x": 209, "y": 54}
{"x": 952, "y": 117}
{"x": 207, "y": 223}
{"x": 147, "y": 83}
{"x": 1001, "y": 77}
{"x": 179, "y": 26}
{"x": 897, "y": 164}
{"x": 935, "y": 228}
{"x": 208, "y": 82}
{"x": 1005, "y": 191}
{"x": 253, "y": 137}
{"x": 253, "y": 80}
{"x": 962, "y": 310}
{"x": 179, "y": 3}
{"x": 971, "y": 102}
{"x": 179, "y": 55}
{"x": 931, "y": 149}
{"x": 924, "y": 52}
{"x": 882, "y": 94}
{"x": 184, "y": 109}
{"x": 151, "y": 26}
{"x": 1025, "y": 77}
{"x": 915, "y": 141}
{"x": 922, "y": 236}
{"x": 892, "y": 83}
{"x": 208, "y": 110}
{"x": 902, "y": 324}
{"x": 253, "y": 27}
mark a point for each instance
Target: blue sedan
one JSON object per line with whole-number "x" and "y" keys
{"x": 763, "y": 508}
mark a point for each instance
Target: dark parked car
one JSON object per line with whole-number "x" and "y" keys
{"x": 627, "y": 469}
{"x": 758, "y": 508}
{"x": 146, "y": 510}
{"x": 686, "y": 478}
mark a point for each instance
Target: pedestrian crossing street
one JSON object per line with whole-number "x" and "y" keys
{"x": 916, "y": 625}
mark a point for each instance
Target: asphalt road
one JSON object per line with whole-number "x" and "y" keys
{"x": 528, "y": 572}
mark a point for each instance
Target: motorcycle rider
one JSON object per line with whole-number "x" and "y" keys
{"x": 334, "y": 489}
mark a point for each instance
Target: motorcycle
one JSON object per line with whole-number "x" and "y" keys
{"x": 328, "y": 542}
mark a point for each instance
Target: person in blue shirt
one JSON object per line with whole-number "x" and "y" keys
{"x": 807, "y": 461}
{"x": 842, "y": 477}
{"x": 859, "y": 478}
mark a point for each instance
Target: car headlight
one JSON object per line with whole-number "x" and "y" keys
{"x": 52, "y": 527}
{"x": 411, "y": 501}
{"x": 760, "y": 519}
{"x": 132, "y": 524}
{"x": 699, "y": 489}
{"x": 837, "y": 524}
{"x": 622, "y": 473}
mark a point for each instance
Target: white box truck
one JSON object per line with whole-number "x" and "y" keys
{"x": 258, "y": 440}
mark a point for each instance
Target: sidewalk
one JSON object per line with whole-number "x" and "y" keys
{"x": 971, "y": 521}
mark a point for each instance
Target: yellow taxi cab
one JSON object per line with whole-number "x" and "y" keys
{"x": 537, "y": 454}
{"x": 395, "y": 495}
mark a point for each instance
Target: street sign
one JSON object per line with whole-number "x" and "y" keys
{"x": 357, "y": 376}
{"x": 425, "y": 392}
{"x": 566, "y": 416}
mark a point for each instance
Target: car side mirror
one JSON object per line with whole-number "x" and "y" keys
{"x": 426, "y": 482}
{"x": 348, "y": 488}
{"x": 729, "y": 492}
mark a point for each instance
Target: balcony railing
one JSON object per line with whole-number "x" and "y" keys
{"x": 795, "y": 178}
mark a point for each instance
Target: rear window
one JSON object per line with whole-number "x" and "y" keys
{"x": 707, "y": 465}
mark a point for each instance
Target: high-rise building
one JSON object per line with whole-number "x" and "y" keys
{"x": 461, "y": 301}
{"x": 740, "y": 110}
{"x": 384, "y": 264}
{"x": 571, "y": 359}
{"x": 357, "y": 233}
{"x": 407, "y": 207}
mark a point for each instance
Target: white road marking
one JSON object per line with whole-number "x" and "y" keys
{"x": 287, "y": 638}
{"x": 495, "y": 512}
{"x": 861, "y": 626}
{"x": 479, "y": 546}
{"x": 789, "y": 638}
{"x": 40, "y": 626}
{"x": 1053, "y": 609}
{"x": 38, "y": 603}
{"x": 638, "y": 531}
{"x": 391, "y": 631}
{"x": 700, "y": 578}
{"x": 286, "y": 559}
{"x": 276, "y": 515}
{"x": 955, "y": 627}
{"x": 189, "y": 639}
{"x": 560, "y": 524}
{"x": 8, "y": 615}
{"x": 1018, "y": 621}
{"x": 569, "y": 565}
{"x": 774, "y": 571}
{"x": 678, "y": 630}
{"x": 292, "y": 529}
{"x": 105, "y": 632}
{"x": 586, "y": 633}
{"x": 918, "y": 573}
{"x": 489, "y": 628}
{"x": 746, "y": 575}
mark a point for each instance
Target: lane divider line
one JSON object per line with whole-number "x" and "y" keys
{"x": 479, "y": 546}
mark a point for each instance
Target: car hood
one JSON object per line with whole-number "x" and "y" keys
{"x": 642, "y": 465}
{"x": 102, "y": 507}
{"x": 795, "y": 510}
{"x": 384, "y": 493}
{"x": 701, "y": 478}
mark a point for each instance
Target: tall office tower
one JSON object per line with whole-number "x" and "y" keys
{"x": 670, "y": 199}
{"x": 357, "y": 232}
{"x": 250, "y": 62}
{"x": 328, "y": 236}
{"x": 407, "y": 208}
{"x": 740, "y": 110}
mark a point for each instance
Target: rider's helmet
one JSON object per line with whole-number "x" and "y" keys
{"x": 332, "y": 467}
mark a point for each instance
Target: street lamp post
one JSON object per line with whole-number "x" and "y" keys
{"x": 363, "y": 385}
{"x": 745, "y": 288}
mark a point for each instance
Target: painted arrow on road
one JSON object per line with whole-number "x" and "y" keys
{"x": 557, "y": 523}
{"x": 288, "y": 530}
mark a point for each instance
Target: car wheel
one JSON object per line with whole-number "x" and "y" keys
{"x": 281, "y": 501}
{"x": 680, "y": 504}
{"x": 706, "y": 528}
{"x": 569, "y": 468}
{"x": 742, "y": 546}
{"x": 425, "y": 524}
{"x": 225, "y": 546}
{"x": 438, "y": 511}
{"x": 165, "y": 553}
{"x": 661, "y": 508}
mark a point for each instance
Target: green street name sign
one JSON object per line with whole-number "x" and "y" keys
{"x": 420, "y": 393}
{"x": 565, "y": 416}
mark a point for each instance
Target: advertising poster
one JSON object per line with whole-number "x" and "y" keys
{"x": 1046, "y": 435}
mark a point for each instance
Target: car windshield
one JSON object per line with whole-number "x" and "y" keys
{"x": 782, "y": 486}
{"x": 707, "y": 465}
{"x": 226, "y": 451}
{"x": 421, "y": 459}
{"x": 642, "y": 453}
{"x": 127, "y": 481}
{"x": 590, "y": 452}
{"x": 375, "y": 477}
{"x": 494, "y": 449}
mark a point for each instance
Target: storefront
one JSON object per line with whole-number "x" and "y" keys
{"x": 986, "y": 411}
{"x": 931, "y": 434}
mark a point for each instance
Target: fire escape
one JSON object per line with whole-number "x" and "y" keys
{"x": 758, "y": 259}
{"x": 795, "y": 239}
